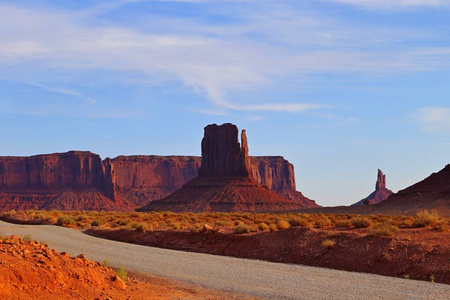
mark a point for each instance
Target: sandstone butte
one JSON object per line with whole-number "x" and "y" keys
{"x": 80, "y": 180}
{"x": 380, "y": 194}
{"x": 226, "y": 180}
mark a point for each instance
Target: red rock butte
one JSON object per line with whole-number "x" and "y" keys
{"x": 225, "y": 181}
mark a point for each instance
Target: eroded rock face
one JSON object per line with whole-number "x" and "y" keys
{"x": 72, "y": 180}
{"x": 225, "y": 181}
{"x": 81, "y": 180}
{"x": 74, "y": 169}
{"x": 222, "y": 154}
{"x": 380, "y": 194}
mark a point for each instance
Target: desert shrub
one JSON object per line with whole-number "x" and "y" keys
{"x": 295, "y": 221}
{"x": 323, "y": 222}
{"x": 442, "y": 226}
{"x": 176, "y": 225}
{"x": 105, "y": 263}
{"x": 142, "y": 227}
{"x": 96, "y": 222}
{"x": 65, "y": 221}
{"x": 81, "y": 218}
{"x": 263, "y": 226}
{"x": 122, "y": 274}
{"x": 332, "y": 234}
{"x": 223, "y": 223}
{"x": 123, "y": 222}
{"x": 343, "y": 223}
{"x": 426, "y": 218}
{"x": 27, "y": 237}
{"x": 382, "y": 229}
{"x": 360, "y": 222}
{"x": 242, "y": 228}
{"x": 328, "y": 244}
{"x": 273, "y": 227}
{"x": 283, "y": 224}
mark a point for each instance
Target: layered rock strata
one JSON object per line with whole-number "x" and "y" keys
{"x": 225, "y": 181}
{"x": 81, "y": 180}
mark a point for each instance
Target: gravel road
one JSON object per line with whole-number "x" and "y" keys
{"x": 251, "y": 277}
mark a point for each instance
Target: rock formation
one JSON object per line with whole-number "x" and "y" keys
{"x": 222, "y": 155}
{"x": 81, "y": 180}
{"x": 380, "y": 194}
{"x": 224, "y": 182}
{"x": 72, "y": 180}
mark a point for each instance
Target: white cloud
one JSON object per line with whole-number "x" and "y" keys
{"x": 214, "y": 60}
{"x": 434, "y": 118}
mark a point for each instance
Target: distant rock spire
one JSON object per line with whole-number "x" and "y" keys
{"x": 380, "y": 194}
{"x": 381, "y": 181}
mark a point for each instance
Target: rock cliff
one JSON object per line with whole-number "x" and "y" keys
{"x": 222, "y": 155}
{"x": 380, "y": 194}
{"x": 72, "y": 180}
{"x": 81, "y": 180}
{"x": 225, "y": 182}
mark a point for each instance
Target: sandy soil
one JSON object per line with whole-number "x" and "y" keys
{"x": 30, "y": 270}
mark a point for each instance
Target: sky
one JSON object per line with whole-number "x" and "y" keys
{"x": 340, "y": 88}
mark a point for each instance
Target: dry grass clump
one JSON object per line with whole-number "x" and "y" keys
{"x": 323, "y": 222}
{"x": 96, "y": 222}
{"x": 443, "y": 225}
{"x": 300, "y": 221}
{"x": 328, "y": 244}
{"x": 142, "y": 227}
{"x": 263, "y": 226}
{"x": 382, "y": 229}
{"x": 332, "y": 234}
{"x": 65, "y": 221}
{"x": 242, "y": 228}
{"x": 343, "y": 223}
{"x": 283, "y": 224}
{"x": 426, "y": 218}
{"x": 360, "y": 222}
{"x": 273, "y": 227}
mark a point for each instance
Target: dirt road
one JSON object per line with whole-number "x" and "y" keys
{"x": 252, "y": 277}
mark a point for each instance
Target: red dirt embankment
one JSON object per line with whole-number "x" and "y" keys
{"x": 420, "y": 254}
{"x": 30, "y": 270}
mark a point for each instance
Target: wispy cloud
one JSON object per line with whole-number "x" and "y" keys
{"x": 434, "y": 119}
{"x": 269, "y": 43}
{"x": 388, "y": 4}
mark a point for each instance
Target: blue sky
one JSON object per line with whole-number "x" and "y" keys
{"x": 340, "y": 88}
